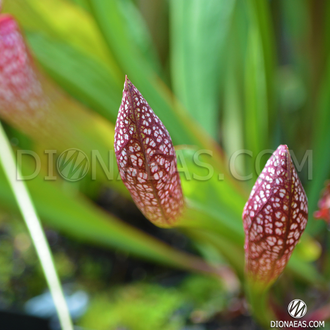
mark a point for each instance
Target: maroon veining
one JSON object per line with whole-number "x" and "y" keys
{"x": 274, "y": 218}
{"x": 146, "y": 159}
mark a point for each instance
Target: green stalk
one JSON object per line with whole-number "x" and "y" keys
{"x": 34, "y": 226}
{"x": 258, "y": 299}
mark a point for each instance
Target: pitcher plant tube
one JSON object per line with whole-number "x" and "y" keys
{"x": 146, "y": 159}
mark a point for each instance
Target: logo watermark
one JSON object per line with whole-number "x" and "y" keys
{"x": 74, "y": 164}
{"x": 297, "y": 309}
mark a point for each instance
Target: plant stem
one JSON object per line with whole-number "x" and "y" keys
{"x": 34, "y": 226}
{"x": 258, "y": 299}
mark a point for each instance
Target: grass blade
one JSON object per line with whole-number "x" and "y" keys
{"x": 93, "y": 85}
{"x": 256, "y": 110}
{"x": 74, "y": 215}
{"x": 259, "y": 80}
{"x": 321, "y": 155}
{"x": 199, "y": 32}
{"x": 34, "y": 226}
{"x": 65, "y": 22}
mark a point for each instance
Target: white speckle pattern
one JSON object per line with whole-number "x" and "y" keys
{"x": 28, "y": 100}
{"x": 146, "y": 147}
{"x": 23, "y": 101}
{"x": 280, "y": 209}
{"x": 20, "y": 90}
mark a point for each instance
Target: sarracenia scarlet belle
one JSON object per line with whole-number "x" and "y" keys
{"x": 146, "y": 159}
{"x": 274, "y": 218}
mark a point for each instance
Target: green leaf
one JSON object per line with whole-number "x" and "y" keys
{"x": 114, "y": 28}
{"x": 260, "y": 19}
{"x": 260, "y": 115}
{"x": 74, "y": 215}
{"x": 21, "y": 195}
{"x": 213, "y": 203}
{"x": 82, "y": 3}
{"x": 321, "y": 155}
{"x": 232, "y": 253}
{"x": 199, "y": 31}
{"x": 65, "y": 22}
{"x": 256, "y": 110}
{"x": 84, "y": 77}
{"x": 232, "y": 118}
{"x": 139, "y": 33}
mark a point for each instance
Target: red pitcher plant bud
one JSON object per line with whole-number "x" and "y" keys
{"x": 146, "y": 159}
{"x": 29, "y": 100}
{"x": 274, "y": 218}
{"x": 324, "y": 205}
{"x": 22, "y": 99}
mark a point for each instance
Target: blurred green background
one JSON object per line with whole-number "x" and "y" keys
{"x": 223, "y": 76}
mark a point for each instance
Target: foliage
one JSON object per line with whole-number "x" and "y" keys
{"x": 222, "y": 77}
{"x": 196, "y": 294}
